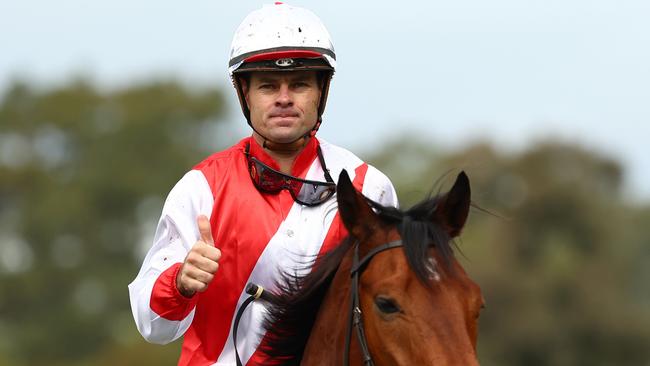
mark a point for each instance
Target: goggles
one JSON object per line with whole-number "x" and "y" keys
{"x": 305, "y": 192}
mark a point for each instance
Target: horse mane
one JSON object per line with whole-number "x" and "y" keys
{"x": 292, "y": 313}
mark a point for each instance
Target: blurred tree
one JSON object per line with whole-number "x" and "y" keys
{"x": 565, "y": 272}
{"x": 83, "y": 175}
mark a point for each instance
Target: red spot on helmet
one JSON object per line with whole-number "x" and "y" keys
{"x": 278, "y": 3}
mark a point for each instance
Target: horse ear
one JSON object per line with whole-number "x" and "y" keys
{"x": 353, "y": 207}
{"x": 453, "y": 208}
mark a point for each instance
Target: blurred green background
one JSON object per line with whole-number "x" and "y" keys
{"x": 84, "y": 173}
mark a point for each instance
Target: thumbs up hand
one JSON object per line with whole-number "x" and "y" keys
{"x": 201, "y": 263}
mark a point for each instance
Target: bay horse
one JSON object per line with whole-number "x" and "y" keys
{"x": 392, "y": 293}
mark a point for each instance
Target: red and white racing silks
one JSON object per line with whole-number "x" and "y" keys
{"x": 259, "y": 236}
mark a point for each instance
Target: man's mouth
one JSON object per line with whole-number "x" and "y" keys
{"x": 284, "y": 115}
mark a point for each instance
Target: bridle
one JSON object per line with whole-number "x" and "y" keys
{"x": 354, "y": 315}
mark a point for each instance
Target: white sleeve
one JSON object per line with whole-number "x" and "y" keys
{"x": 175, "y": 235}
{"x": 379, "y": 188}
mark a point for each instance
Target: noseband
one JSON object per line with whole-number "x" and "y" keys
{"x": 354, "y": 315}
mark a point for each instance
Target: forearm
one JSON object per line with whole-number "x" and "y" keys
{"x": 161, "y": 314}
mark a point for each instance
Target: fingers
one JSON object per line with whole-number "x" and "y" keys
{"x": 197, "y": 279}
{"x": 207, "y": 251}
{"x": 189, "y": 286}
{"x": 205, "y": 231}
{"x": 196, "y": 273}
{"x": 204, "y": 257}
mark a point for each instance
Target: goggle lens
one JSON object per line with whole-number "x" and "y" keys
{"x": 305, "y": 192}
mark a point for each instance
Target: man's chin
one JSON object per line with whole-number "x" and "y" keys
{"x": 284, "y": 138}
{"x": 286, "y": 135}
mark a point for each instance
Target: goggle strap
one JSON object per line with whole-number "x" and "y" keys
{"x": 321, "y": 160}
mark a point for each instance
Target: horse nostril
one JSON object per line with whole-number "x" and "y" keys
{"x": 387, "y": 305}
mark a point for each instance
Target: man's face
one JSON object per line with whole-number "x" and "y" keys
{"x": 283, "y": 105}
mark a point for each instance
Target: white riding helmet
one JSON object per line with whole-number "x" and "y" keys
{"x": 281, "y": 37}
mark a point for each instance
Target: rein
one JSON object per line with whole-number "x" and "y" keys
{"x": 354, "y": 315}
{"x": 255, "y": 292}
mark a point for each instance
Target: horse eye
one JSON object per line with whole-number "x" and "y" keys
{"x": 386, "y": 305}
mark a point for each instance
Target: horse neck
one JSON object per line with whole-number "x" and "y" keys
{"x": 326, "y": 342}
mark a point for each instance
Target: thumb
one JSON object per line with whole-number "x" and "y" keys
{"x": 204, "y": 229}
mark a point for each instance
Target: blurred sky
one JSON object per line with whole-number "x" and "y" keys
{"x": 510, "y": 71}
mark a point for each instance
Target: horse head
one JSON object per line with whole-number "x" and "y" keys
{"x": 419, "y": 306}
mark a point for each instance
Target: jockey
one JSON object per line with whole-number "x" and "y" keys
{"x": 263, "y": 206}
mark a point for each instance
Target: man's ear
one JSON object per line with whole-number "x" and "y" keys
{"x": 356, "y": 213}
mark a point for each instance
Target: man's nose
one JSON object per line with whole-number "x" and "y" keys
{"x": 284, "y": 96}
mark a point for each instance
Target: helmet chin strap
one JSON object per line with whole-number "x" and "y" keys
{"x": 292, "y": 146}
